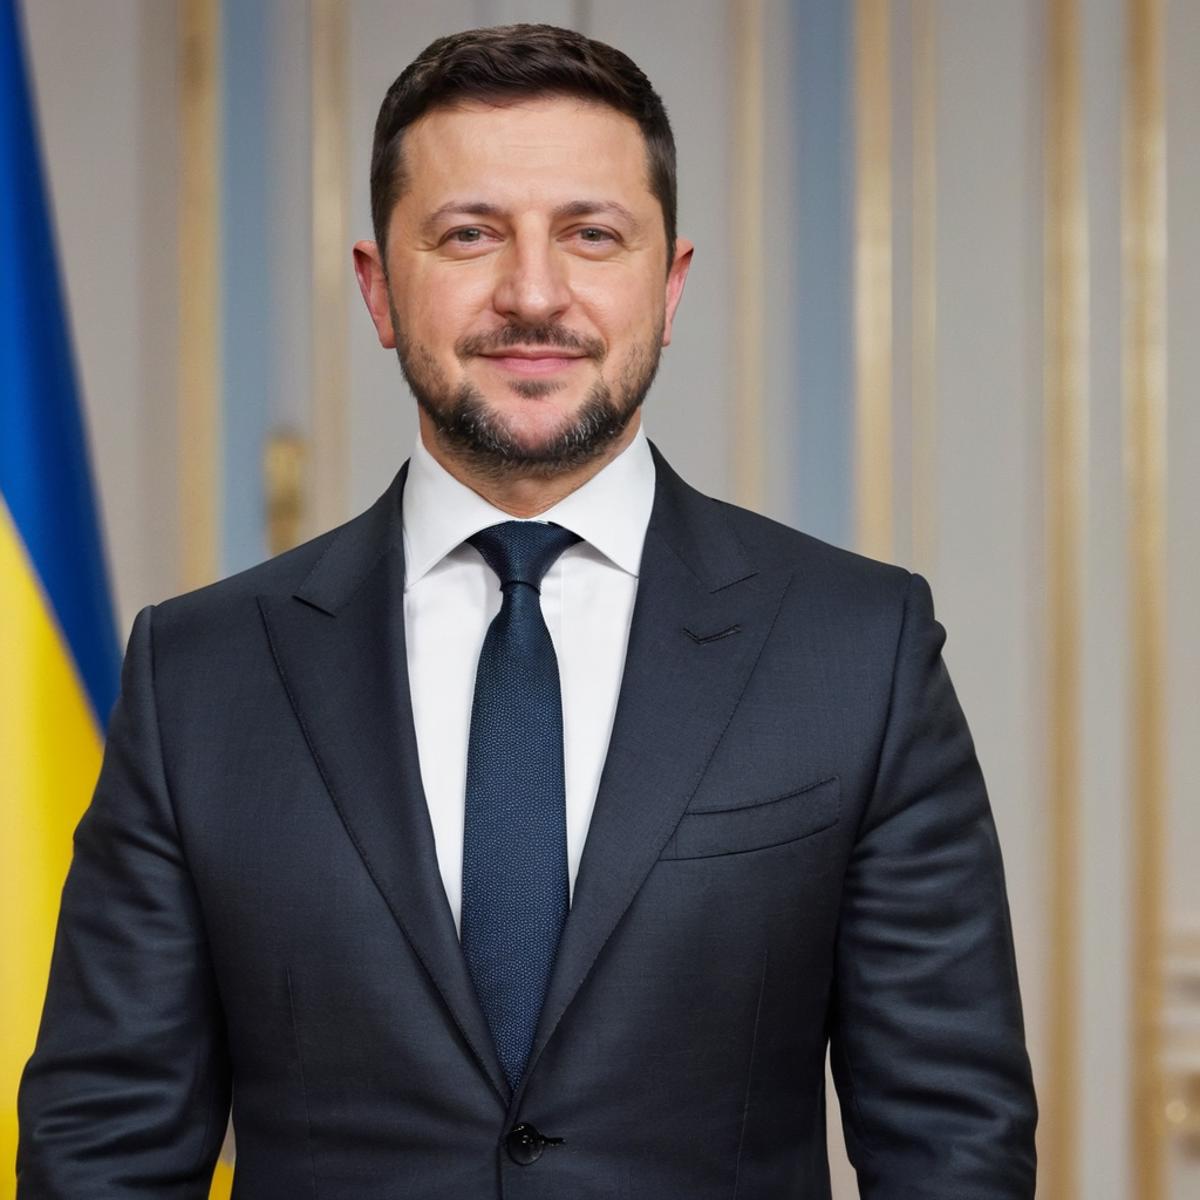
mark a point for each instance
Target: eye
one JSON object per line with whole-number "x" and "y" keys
{"x": 466, "y": 239}
{"x": 595, "y": 235}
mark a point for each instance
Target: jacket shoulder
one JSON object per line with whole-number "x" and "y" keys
{"x": 818, "y": 566}
{"x": 222, "y": 608}
{"x": 761, "y": 543}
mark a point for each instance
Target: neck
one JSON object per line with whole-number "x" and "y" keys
{"x": 516, "y": 494}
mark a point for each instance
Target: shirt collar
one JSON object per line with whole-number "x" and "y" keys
{"x": 610, "y": 511}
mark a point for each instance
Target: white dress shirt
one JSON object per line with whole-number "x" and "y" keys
{"x": 451, "y": 596}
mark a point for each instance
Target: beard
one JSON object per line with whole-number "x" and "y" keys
{"x": 469, "y": 425}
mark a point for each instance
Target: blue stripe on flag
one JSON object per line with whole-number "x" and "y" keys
{"x": 45, "y": 478}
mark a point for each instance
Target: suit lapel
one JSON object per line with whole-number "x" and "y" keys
{"x": 702, "y": 614}
{"x": 339, "y": 645}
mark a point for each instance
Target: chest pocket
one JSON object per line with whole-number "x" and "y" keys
{"x": 706, "y": 833}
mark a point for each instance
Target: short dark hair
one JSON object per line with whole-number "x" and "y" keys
{"x": 513, "y": 61}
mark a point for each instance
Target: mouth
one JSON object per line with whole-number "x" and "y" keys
{"x": 521, "y": 361}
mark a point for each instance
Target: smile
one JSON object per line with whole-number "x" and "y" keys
{"x": 536, "y": 363}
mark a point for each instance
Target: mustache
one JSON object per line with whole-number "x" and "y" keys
{"x": 536, "y": 337}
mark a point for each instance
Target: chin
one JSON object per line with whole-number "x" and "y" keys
{"x": 530, "y": 427}
{"x": 531, "y": 421}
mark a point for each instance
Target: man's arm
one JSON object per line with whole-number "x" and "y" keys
{"x": 927, "y": 1040}
{"x": 127, "y": 1092}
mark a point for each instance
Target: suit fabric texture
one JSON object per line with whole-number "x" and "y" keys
{"x": 791, "y": 846}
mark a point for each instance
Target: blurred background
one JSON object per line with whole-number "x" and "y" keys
{"x": 944, "y": 310}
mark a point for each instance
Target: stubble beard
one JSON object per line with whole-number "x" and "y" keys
{"x": 484, "y": 440}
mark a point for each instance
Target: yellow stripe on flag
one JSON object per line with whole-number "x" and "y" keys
{"x": 49, "y": 760}
{"x": 50, "y": 752}
{"x": 222, "y": 1184}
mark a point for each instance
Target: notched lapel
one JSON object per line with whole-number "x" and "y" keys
{"x": 340, "y": 649}
{"x": 678, "y": 694}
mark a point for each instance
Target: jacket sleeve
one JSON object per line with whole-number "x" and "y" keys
{"x": 927, "y": 1040}
{"x": 127, "y": 1092}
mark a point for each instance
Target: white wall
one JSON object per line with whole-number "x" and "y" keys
{"x": 988, "y": 581}
{"x": 106, "y": 89}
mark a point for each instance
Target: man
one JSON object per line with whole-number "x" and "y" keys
{"x": 378, "y": 847}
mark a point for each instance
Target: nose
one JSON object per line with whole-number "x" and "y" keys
{"x": 533, "y": 287}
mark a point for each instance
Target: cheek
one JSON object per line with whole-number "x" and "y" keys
{"x": 437, "y": 310}
{"x": 625, "y": 312}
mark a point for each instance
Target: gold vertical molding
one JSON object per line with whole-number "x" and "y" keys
{"x": 1144, "y": 237}
{"x": 199, "y": 390}
{"x": 873, "y": 277}
{"x": 924, "y": 288}
{"x": 284, "y": 458}
{"x": 748, "y": 208}
{"x": 330, "y": 263}
{"x": 1065, "y": 385}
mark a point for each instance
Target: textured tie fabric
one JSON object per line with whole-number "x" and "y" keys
{"x": 515, "y": 884}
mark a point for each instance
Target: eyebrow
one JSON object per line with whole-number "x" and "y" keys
{"x": 572, "y": 208}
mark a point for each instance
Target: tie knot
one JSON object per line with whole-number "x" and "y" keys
{"x": 522, "y": 551}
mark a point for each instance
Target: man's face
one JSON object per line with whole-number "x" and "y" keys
{"x": 526, "y": 290}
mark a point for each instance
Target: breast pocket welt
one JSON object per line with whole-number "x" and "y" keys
{"x": 709, "y": 832}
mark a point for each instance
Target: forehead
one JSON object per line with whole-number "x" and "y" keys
{"x": 553, "y": 146}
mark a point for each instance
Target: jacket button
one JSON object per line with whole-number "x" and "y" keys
{"x": 524, "y": 1144}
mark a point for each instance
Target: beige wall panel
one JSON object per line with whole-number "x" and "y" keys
{"x": 904, "y": 93}
{"x": 289, "y": 253}
{"x": 780, "y": 409}
{"x": 1183, "y": 480}
{"x": 1183, "y": 546}
{"x": 111, "y": 168}
{"x": 1103, "y": 1089}
{"x": 988, "y": 584}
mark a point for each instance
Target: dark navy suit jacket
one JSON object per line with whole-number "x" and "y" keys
{"x": 791, "y": 846}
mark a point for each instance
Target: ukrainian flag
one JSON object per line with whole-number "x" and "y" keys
{"x": 58, "y": 653}
{"x": 59, "y": 660}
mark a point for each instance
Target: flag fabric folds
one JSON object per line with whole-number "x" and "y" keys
{"x": 59, "y": 659}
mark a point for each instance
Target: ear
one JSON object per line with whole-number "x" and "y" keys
{"x": 372, "y": 282}
{"x": 676, "y": 278}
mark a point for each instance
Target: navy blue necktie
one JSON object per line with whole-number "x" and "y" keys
{"x": 515, "y": 884}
